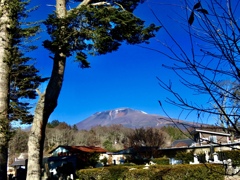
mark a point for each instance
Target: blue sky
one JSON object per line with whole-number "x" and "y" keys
{"x": 125, "y": 78}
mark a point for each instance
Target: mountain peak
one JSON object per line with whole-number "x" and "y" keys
{"x": 127, "y": 117}
{"x": 114, "y": 113}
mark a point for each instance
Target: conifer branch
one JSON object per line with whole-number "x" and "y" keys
{"x": 39, "y": 93}
{"x": 88, "y": 2}
{"x": 119, "y": 5}
{"x": 101, "y": 4}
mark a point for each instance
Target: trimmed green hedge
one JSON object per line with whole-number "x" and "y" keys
{"x": 186, "y": 157}
{"x": 155, "y": 172}
{"x": 234, "y": 155}
{"x": 161, "y": 161}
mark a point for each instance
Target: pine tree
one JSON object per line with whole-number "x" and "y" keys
{"x": 95, "y": 27}
{"x": 19, "y": 78}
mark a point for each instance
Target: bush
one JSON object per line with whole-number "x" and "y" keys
{"x": 104, "y": 161}
{"x": 156, "y": 172}
{"x": 201, "y": 157}
{"x": 161, "y": 161}
{"x": 234, "y": 155}
{"x": 186, "y": 157}
{"x": 193, "y": 172}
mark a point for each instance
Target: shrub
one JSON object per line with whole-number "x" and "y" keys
{"x": 201, "y": 158}
{"x": 161, "y": 161}
{"x": 104, "y": 161}
{"x": 234, "y": 155}
{"x": 156, "y": 172}
{"x": 186, "y": 157}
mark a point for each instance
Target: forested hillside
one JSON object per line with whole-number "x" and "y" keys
{"x": 112, "y": 138}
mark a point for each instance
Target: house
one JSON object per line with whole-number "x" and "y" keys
{"x": 204, "y": 137}
{"x": 113, "y": 158}
{"x": 136, "y": 154}
{"x": 183, "y": 143}
{"x": 203, "y": 141}
{"x": 75, "y": 150}
{"x": 18, "y": 167}
{"x": 82, "y": 154}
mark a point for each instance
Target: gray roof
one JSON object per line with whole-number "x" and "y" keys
{"x": 19, "y": 163}
{"x": 210, "y": 132}
{"x": 133, "y": 150}
{"x": 183, "y": 142}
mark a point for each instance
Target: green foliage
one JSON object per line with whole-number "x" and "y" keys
{"x": 186, "y": 157}
{"x": 161, "y": 161}
{"x": 104, "y": 160}
{"x": 175, "y": 133}
{"x": 193, "y": 172}
{"x": 87, "y": 160}
{"x": 23, "y": 76}
{"x": 201, "y": 157}
{"x": 93, "y": 159}
{"x": 108, "y": 145}
{"x": 180, "y": 172}
{"x": 122, "y": 4}
{"x": 117, "y": 172}
{"x": 53, "y": 124}
{"x": 234, "y": 155}
{"x": 96, "y": 30}
{"x": 60, "y": 125}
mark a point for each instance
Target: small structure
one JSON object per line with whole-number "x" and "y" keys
{"x": 204, "y": 137}
{"x": 19, "y": 166}
{"x": 174, "y": 161}
{"x": 75, "y": 150}
{"x": 195, "y": 160}
{"x": 112, "y": 158}
{"x": 183, "y": 143}
{"x": 202, "y": 141}
{"x": 66, "y": 159}
{"x": 137, "y": 154}
{"x": 215, "y": 158}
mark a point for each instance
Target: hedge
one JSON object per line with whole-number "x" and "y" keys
{"x": 161, "y": 161}
{"x": 234, "y": 155}
{"x": 155, "y": 172}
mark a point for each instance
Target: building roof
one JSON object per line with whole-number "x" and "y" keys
{"x": 232, "y": 145}
{"x": 210, "y": 132}
{"x": 132, "y": 150}
{"x": 19, "y": 163}
{"x": 183, "y": 143}
{"x": 79, "y": 149}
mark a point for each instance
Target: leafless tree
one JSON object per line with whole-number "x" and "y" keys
{"x": 207, "y": 63}
{"x": 147, "y": 141}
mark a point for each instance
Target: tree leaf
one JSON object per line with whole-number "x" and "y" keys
{"x": 196, "y": 6}
{"x": 191, "y": 18}
{"x": 204, "y": 11}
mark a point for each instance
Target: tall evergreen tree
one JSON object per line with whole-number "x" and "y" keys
{"x": 19, "y": 79}
{"x": 93, "y": 26}
{"x": 4, "y": 89}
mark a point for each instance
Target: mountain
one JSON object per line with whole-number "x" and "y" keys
{"x": 128, "y": 118}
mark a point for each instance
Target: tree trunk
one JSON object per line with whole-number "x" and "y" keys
{"x": 4, "y": 89}
{"x": 45, "y": 106}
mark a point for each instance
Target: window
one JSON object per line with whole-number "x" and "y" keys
{"x": 213, "y": 139}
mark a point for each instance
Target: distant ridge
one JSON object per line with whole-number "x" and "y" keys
{"x": 128, "y": 118}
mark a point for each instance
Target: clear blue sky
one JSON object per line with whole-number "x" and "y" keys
{"x": 126, "y": 78}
